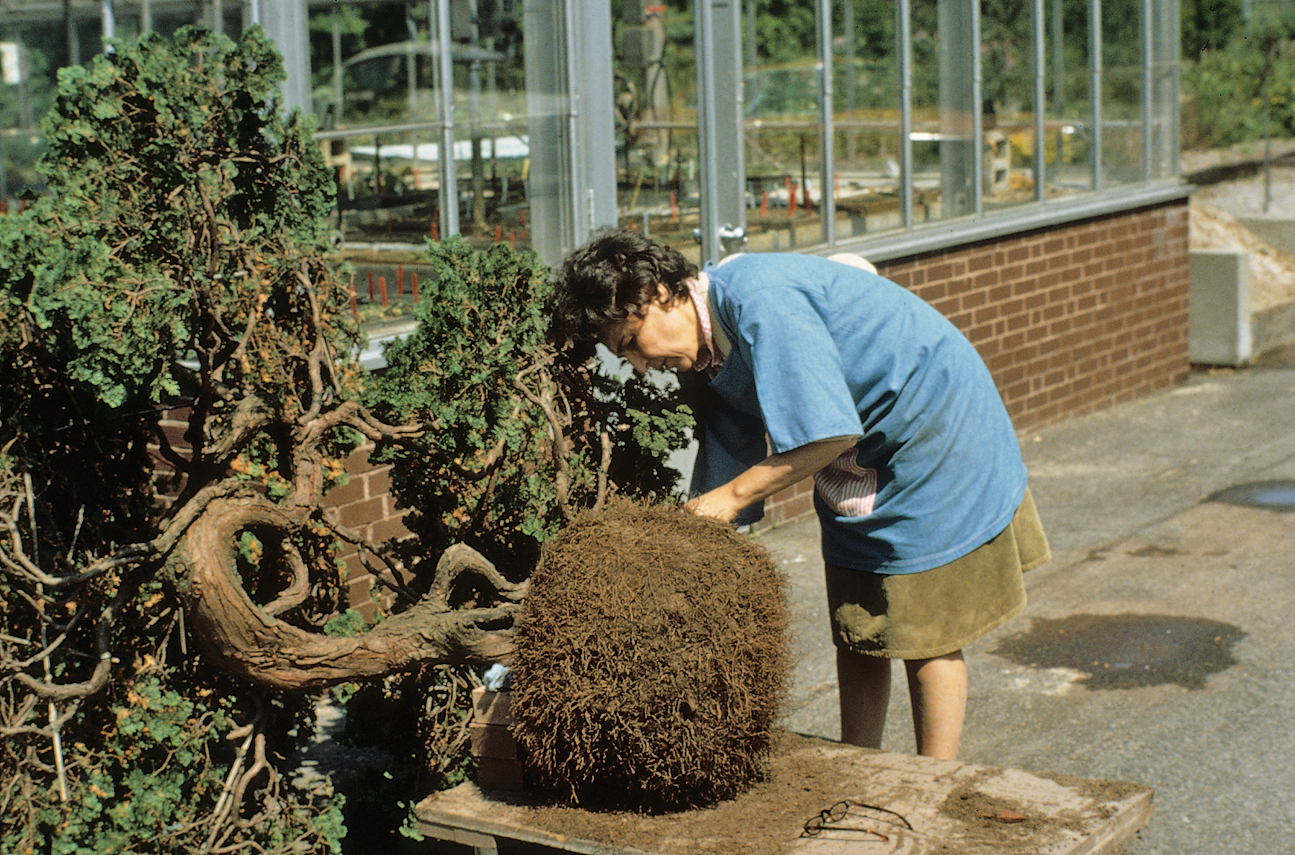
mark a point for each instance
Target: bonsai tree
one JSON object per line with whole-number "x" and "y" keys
{"x": 182, "y": 391}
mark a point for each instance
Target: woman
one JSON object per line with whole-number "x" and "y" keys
{"x": 798, "y": 366}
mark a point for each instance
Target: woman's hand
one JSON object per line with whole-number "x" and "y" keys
{"x": 776, "y": 472}
{"x": 718, "y": 503}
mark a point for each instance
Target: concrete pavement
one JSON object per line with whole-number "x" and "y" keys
{"x": 1159, "y": 644}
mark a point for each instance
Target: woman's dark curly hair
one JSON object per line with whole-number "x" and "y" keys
{"x": 609, "y": 279}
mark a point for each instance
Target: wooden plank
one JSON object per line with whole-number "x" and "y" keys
{"x": 976, "y": 810}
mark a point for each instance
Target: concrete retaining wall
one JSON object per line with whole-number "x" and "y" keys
{"x": 1220, "y": 307}
{"x": 1277, "y": 230}
{"x": 1273, "y": 326}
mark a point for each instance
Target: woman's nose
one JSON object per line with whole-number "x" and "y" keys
{"x": 638, "y": 362}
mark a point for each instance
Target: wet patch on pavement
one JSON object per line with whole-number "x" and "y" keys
{"x": 1269, "y": 495}
{"x": 1127, "y": 651}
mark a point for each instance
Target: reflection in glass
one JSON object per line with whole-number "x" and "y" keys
{"x": 385, "y": 110}
{"x": 867, "y": 121}
{"x": 944, "y": 138}
{"x": 1069, "y": 125}
{"x": 1122, "y": 92}
{"x": 656, "y": 123}
{"x": 1008, "y": 109}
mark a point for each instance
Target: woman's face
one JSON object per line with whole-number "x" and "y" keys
{"x": 665, "y": 335}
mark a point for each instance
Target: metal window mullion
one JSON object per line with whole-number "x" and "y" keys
{"x": 339, "y": 93}
{"x": 720, "y": 138}
{"x": 1148, "y": 55}
{"x": 589, "y": 77}
{"x": 1170, "y": 15}
{"x": 904, "y": 29}
{"x": 574, "y": 92}
{"x": 108, "y": 18}
{"x": 827, "y": 198}
{"x": 448, "y": 197}
{"x": 1095, "y": 85}
{"x": 977, "y": 117}
{"x": 708, "y": 220}
{"x": 1040, "y": 110}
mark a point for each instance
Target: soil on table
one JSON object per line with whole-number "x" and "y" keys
{"x": 766, "y": 819}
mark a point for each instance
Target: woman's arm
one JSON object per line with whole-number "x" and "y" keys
{"x": 767, "y": 477}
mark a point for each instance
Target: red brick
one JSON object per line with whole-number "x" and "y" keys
{"x": 496, "y": 774}
{"x": 358, "y": 462}
{"x": 390, "y": 528}
{"x": 492, "y": 740}
{"x": 362, "y": 513}
{"x": 378, "y": 482}
{"x": 359, "y": 591}
{"x": 492, "y": 707}
{"x": 352, "y": 491}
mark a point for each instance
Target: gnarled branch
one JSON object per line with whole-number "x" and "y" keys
{"x": 250, "y": 643}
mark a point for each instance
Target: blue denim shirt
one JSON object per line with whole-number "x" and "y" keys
{"x": 820, "y": 350}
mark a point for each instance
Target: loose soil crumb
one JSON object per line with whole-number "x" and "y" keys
{"x": 1000, "y": 822}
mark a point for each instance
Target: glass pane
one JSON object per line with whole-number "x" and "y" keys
{"x": 656, "y": 123}
{"x": 944, "y": 140}
{"x": 380, "y": 101}
{"x": 491, "y": 141}
{"x": 1122, "y": 92}
{"x": 1068, "y": 142}
{"x": 1164, "y": 91}
{"x": 783, "y": 143}
{"x": 1008, "y": 110}
{"x": 35, "y": 41}
{"x": 387, "y": 186}
{"x": 867, "y": 119}
{"x": 32, "y": 55}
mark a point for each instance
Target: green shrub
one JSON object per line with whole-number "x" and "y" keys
{"x": 514, "y": 429}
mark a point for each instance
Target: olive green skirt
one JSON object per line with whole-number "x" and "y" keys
{"x": 937, "y": 611}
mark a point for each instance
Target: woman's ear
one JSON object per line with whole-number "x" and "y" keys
{"x": 663, "y": 295}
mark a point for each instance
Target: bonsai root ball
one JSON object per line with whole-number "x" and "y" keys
{"x": 651, "y": 661}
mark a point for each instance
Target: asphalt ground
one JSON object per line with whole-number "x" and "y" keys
{"x": 1158, "y": 645}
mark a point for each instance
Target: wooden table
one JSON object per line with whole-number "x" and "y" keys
{"x": 953, "y": 808}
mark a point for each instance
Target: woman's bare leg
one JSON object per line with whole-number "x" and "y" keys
{"x": 938, "y": 689}
{"x": 865, "y": 694}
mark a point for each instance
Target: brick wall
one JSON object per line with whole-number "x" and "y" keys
{"x": 366, "y": 506}
{"x": 1070, "y": 319}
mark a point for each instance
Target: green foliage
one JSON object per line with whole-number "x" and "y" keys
{"x": 185, "y": 218}
{"x": 1238, "y": 89}
{"x": 346, "y": 624}
{"x": 479, "y": 323}
{"x": 178, "y": 261}
{"x": 145, "y": 763}
{"x": 145, "y": 146}
{"x": 1224, "y": 92}
{"x": 475, "y": 372}
{"x": 1209, "y": 25}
